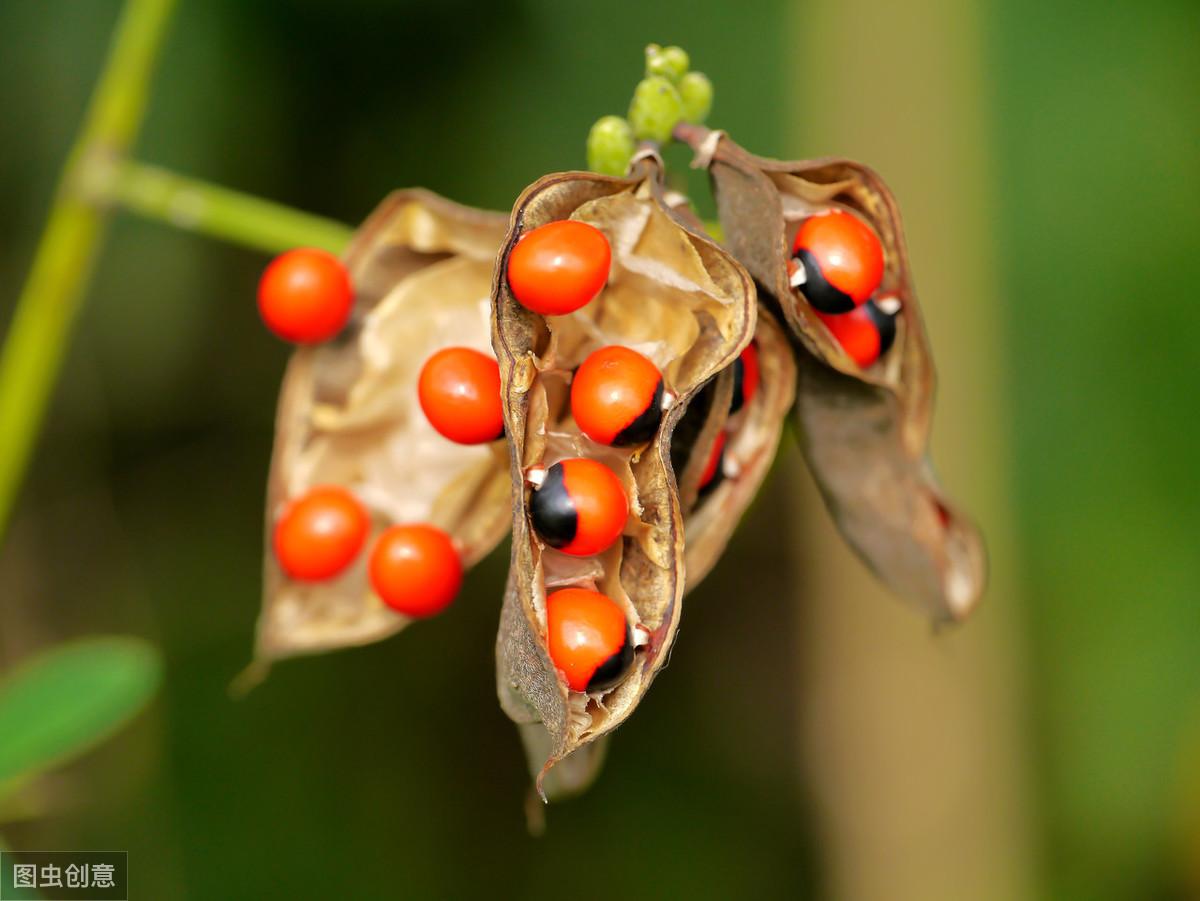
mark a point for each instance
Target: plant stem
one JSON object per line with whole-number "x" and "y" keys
{"x": 219, "y": 212}
{"x": 689, "y": 133}
{"x": 49, "y": 301}
{"x": 951, "y": 710}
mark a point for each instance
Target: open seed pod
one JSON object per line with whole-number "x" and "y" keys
{"x": 864, "y": 432}
{"x": 686, "y": 304}
{"x": 749, "y": 438}
{"x": 349, "y": 416}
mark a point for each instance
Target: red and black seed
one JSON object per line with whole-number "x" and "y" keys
{"x": 745, "y": 377}
{"x": 819, "y": 292}
{"x": 885, "y": 324}
{"x": 552, "y": 511}
{"x": 613, "y": 670}
{"x": 642, "y": 429}
{"x": 687, "y": 430}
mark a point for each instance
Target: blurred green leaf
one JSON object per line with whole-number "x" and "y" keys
{"x": 67, "y": 699}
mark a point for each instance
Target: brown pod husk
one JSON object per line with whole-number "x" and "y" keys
{"x": 864, "y": 432}
{"x": 349, "y": 415}
{"x": 752, "y": 437}
{"x": 680, "y": 299}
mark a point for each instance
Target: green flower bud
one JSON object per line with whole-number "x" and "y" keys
{"x": 655, "y": 109}
{"x": 610, "y": 146}
{"x": 669, "y": 62}
{"x": 696, "y": 92}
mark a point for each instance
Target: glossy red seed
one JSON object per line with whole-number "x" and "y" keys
{"x": 857, "y": 333}
{"x": 415, "y": 569}
{"x": 305, "y": 296}
{"x": 459, "y": 391}
{"x": 616, "y": 396}
{"x": 848, "y": 252}
{"x": 587, "y": 634}
{"x": 319, "y": 533}
{"x": 558, "y": 268}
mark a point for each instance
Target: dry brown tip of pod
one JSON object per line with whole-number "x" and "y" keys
{"x": 864, "y": 432}
{"x": 349, "y": 416}
{"x": 686, "y": 304}
{"x": 751, "y": 437}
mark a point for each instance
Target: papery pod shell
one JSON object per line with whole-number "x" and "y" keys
{"x": 864, "y": 433}
{"x": 349, "y": 415}
{"x": 753, "y": 437}
{"x": 705, "y": 415}
{"x": 663, "y": 274}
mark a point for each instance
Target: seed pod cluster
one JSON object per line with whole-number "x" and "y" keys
{"x": 675, "y": 299}
{"x": 596, "y": 373}
{"x": 864, "y": 431}
{"x": 350, "y": 422}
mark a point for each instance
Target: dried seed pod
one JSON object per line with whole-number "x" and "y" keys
{"x": 683, "y": 302}
{"x": 349, "y": 416}
{"x": 751, "y": 438}
{"x": 864, "y": 432}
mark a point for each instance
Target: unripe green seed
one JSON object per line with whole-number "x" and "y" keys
{"x": 655, "y": 109}
{"x": 696, "y": 93}
{"x": 669, "y": 62}
{"x": 610, "y": 146}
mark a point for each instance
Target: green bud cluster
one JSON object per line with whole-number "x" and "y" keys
{"x": 669, "y": 94}
{"x": 655, "y": 109}
{"x": 696, "y": 92}
{"x": 669, "y": 62}
{"x": 610, "y": 146}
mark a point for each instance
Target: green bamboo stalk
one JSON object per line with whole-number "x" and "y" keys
{"x": 915, "y": 746}
{"x": 46, "y": 309}
{"x": 207, "y": 209}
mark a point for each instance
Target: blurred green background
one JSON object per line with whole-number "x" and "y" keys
{"x": 1045, "y": 154}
